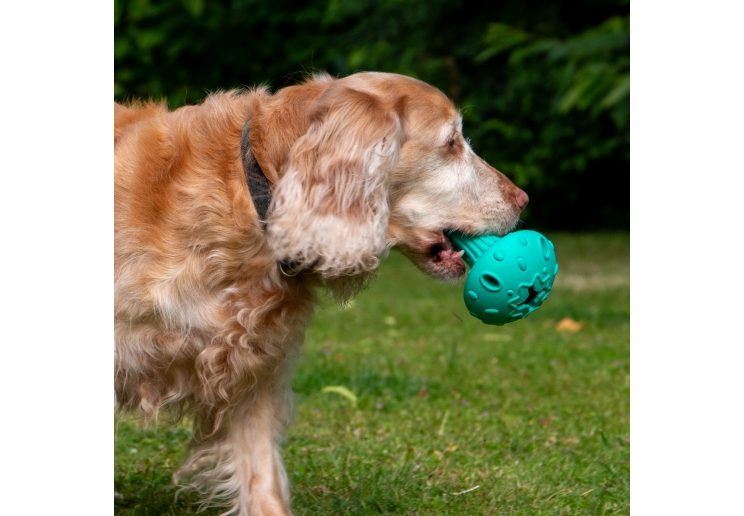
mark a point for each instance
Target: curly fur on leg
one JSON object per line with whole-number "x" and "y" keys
{"x": 241, "y": 468}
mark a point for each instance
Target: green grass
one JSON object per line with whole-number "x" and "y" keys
{"x": 525, "y": 418}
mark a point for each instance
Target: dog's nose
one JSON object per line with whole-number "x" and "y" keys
{"x": 522, "y": 199}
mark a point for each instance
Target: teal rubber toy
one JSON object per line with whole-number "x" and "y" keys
{"x": 509, "y": 277}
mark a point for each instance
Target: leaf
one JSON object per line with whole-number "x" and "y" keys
{"x": 499, "y": 38}
{"x": 195, "y": 7}
{"x": 444, "y": 422}
{"x": 343, "y": 391}
{"x": 499, "y": 126}
{"x": 618, "y": 92}
{"x": 540, "y": 47}
{"x": 147, "y": 39}
{"x": 569, "y": 325}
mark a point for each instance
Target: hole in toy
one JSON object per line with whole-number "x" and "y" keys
{"x": 531, "y": 295}
{"x": 545, "y": 248}
{"x": 492, "y": 283}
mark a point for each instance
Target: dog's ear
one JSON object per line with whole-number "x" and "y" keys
{"x": 330, "y": 208}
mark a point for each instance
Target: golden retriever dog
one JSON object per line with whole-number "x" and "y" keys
{"x": 232, "y": 216}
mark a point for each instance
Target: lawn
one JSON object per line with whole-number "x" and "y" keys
{"x": 450, "y": 416}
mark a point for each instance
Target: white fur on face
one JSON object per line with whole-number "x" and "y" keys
{"x": 449, "y": 190}
{"x": 438, "y": 187}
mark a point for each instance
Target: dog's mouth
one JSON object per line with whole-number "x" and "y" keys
{"x": 444, "y": 260}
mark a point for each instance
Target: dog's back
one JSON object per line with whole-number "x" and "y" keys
{"x": 125, "y": 116}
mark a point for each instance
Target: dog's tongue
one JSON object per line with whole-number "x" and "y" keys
{"x": 449, "y": 255}
{"x": 452, "y": 260}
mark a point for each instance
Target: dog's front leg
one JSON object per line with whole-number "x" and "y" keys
{"x": 257, "y": 430}
{"x": 240, "y": 466}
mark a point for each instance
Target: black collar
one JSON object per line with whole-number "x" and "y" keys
{"x": 258, "y": 185}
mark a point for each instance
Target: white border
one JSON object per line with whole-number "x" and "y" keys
{"x": 56, "y": 210}
{"x": 686, "y": 169}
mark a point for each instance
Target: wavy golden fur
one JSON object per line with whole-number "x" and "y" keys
{"x": 205, "y": 320}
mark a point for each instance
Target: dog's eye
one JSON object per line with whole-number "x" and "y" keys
{"x": 451, "y": 143}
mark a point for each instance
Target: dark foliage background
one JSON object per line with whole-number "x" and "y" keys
{"x": 544, "y": 85}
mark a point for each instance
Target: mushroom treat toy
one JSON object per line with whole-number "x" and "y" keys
{"x": 510, "y": 276}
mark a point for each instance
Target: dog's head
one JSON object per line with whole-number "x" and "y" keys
{"x": 377, "y": 161}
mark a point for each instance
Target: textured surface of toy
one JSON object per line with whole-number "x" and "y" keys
{"x": 509, "y": 277}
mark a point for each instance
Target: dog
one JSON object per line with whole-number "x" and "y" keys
{"x": 233, "y": 216}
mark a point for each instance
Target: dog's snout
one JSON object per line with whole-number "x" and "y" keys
{"x": 521, "y": 198}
